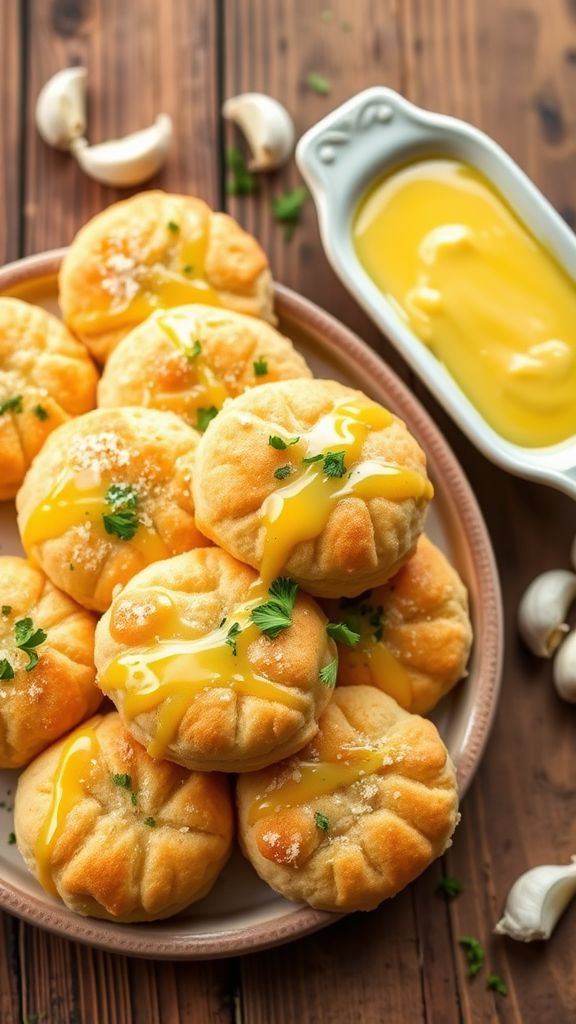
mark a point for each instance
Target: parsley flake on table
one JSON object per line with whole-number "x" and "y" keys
{"x": 27, "y": 638}
{"x": 240, "y": 181}
{"x": 204, "y": 417}
{"x": 475, "y": 955}
{"x": 287, "y": 209}
{"x": 328, "y": 674}
{"x": 122, "y": 521}
{"x": 40, "y": 412}
{"x": 122, "y": 779}
{"x": 318, "y": 83}
{"x": 276, "y": 614}
{"x": 11, "y": 839}
{"x": 280, "y": 444}
{"x": 260, "y": 366}
{"x": 11, "y": 405}
{"x": 321, "y": 821}
{"x": 283, "y": 471}
{"x": 231, "y": 637}
{"x": 449, "y": 887}
{"x": 6, "y": 670}
{"x": 495, "y": 982}
{"x": 342, "y": 633}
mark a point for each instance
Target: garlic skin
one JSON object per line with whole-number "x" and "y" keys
{"x": 267, "y": 126}
{"x": 543, "y": 609}
{"x": 127, "y": 161}
{"x": 61, "y": 108}
{"x": 537, "y": 901}
{"x": 564, "y": 669}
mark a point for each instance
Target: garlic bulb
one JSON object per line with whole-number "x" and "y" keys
{"x": 61, "y": 108}
{"x": 537, "y": 900}
{"x": 564, "y": 669}
{"x": 543, "y": 609}
{"x": 267, "y": 126}
{"x": 127, "y": 161}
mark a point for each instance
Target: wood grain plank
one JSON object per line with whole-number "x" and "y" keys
{"x": 11, "y": 26}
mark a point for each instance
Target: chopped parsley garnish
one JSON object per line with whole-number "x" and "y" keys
{"x": 151, "y": 822}
{"x": 123, "y": 520}
{"x": 333, "y": 462}
{"x": 287, "y": 209}
{"x": 27, "y": 638}
{"x": 6, "y": 609}
{"x": 240, "y": 181}
{"x": 321, "y": 821}
{"x": 449, "y": 887}
{"x": 474, "y": 954}
{"x": 231, "y": 637}
{"x": 318, "y": 83}
{"x": 195, "y": 349}
{"x": 11, "y": 405}
{"x": 342, "y": 633}
{"x": 495, "y": 982}
{"x": 204, "y": 417}
{"x": 282, "y": 472}
{"x": 328, "y": 674}
{"x": 134, "y": 799}
{"x": 276, "y": 614}
{"x": 312, "y": 458}
{"x": 11, "y": 839}
{"x": 123, "y": 780}
{"x": 6, "y": 670}
{"x": 260, "y": 366}
{"x": 188, "y": 268}
{"x": 40, "y": 412}
{"x": 173, "y": 227}
{"x": 280, "y": 444}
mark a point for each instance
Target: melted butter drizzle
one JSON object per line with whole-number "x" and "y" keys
{"x": 209, "y": 390}
{"x": 68, "y": 789}
{"x": 170, "y": 673}
{"x": 299, "y": 511}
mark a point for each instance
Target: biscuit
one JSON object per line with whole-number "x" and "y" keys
{"x": 116, "y": 834}
{"x": 359, "y": 813}
{"x": 189, "y": 360}
{"x": 415, "y": 632}
{"x": 311, "y": 479}
{"x": 108, "y": 494}
{"x": 46, "y": 376}
{"x": 154, "y": 251}
{"x": 47, "y": 674}
{"x": 199, "y": 681}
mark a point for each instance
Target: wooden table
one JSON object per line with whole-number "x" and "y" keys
{"x": 510, "y": 67}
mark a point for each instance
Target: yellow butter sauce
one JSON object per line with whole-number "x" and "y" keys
{"x": 169, "y": 673}
{"x": 473, "y": 283}
{"x": 299, "y": 511}
{"x": 68, "y": 789}
{"x": 208, "y": 389}
{"x": 316, "y": 778}
{"x": 372, "y": 662}
{"x": 70, "y": 504}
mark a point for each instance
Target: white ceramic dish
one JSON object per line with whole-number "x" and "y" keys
{"x": 342, "y": 155}
{"x": 242, "y": 913}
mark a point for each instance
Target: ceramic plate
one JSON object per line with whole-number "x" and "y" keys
{"x": 242, "y": 913}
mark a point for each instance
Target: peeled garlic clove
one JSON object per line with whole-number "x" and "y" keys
{"x": 543, "y": 609}
{"x": 537, "y": 901}
{"x": 564, "y": 669}
{"x": 61, "y": 107}
{"x": 267, "y": 126}
{"x": 127, "y": 161}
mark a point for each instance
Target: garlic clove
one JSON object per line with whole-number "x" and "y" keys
{"x": 61, "y": 107}
{"x": 130, "y": 160}
{"x": 267, "y": 126}
{"x": 564, "y": 669}
{"x": 537, "y": 901}
{"x": 543, "y": 609}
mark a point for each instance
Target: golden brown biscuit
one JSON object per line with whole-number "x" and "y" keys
{"x": 47, "y": 674}
{"x": 190, "y": 359}
{"x": 312, "y": 479}
{"x": 200, "y": 682}
{"x": 415, "y": 632}
{"x": 116, "y": 834}
{"x": 46, "y": 376}
{"x": 108, "y": 494}
{"x": 154, "y": 251}
{"x": 359, "y": 813}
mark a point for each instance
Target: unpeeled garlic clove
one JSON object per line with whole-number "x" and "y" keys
{"x": 267, "y": 126}
{"x": 543, "y": 609}
{"x": 61, "y": 107}
{"x": 537, "y": 900}
{"x": 564, "y": 669}
{"x": 127, "y": 161}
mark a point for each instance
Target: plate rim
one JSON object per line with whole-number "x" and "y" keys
{"x": 301, "y": 920}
